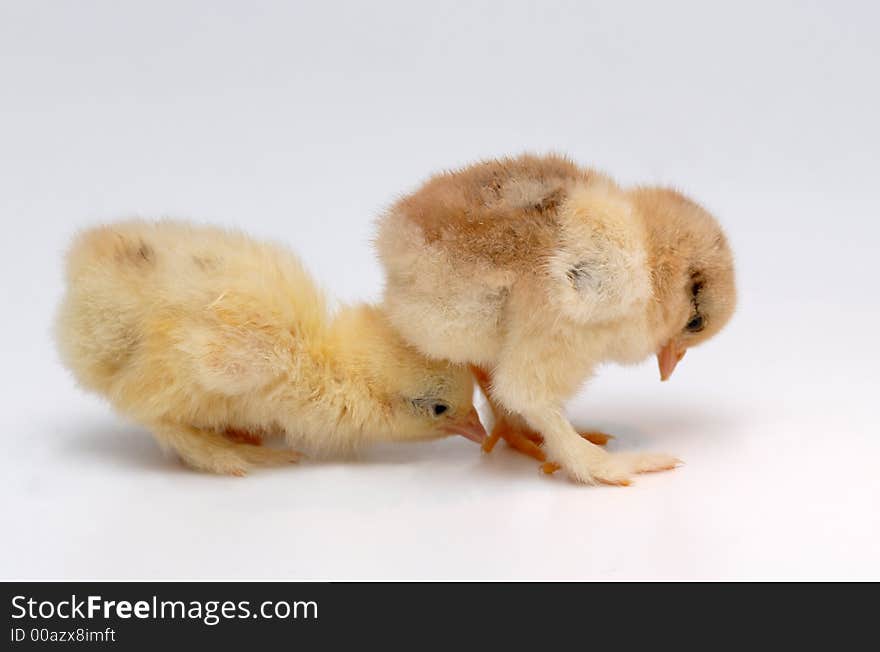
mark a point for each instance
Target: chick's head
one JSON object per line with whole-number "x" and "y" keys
{"x": 693, "y": 272}
{"x": 431, "y": 398}
{"x": 425, "y": 398}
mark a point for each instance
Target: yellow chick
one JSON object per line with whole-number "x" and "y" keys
{"x": 535, "y": 271}
{"x": 214, "y": 341}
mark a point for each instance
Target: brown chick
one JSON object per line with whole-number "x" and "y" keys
{"x": 214, "y": 341}
{"x": 535, "y": 271}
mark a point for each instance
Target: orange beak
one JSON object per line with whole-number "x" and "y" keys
{"x": 668, "y": 357}
{"x": 469, "y": 426}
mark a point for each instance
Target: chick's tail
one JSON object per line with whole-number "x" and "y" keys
{"x": 125, "y": 245}
{"x": 98, "y": 325}
{"x": 211, "y": 451}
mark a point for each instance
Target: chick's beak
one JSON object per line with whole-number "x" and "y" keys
{"x": 468, "y": 426}
{"x": 668, "y": 357}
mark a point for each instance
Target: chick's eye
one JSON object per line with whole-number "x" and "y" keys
{"x": 695, "y": 324}
{"x": 430, "y": 406}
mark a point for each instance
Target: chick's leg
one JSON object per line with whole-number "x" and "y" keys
{"x": 588, "y": 463}
{"x": 541, "y": 362}
{"x": 211, "y": 451}
{"x": 243, "y": 436}
{"x": 512, "y": 429}
{"x": 515, "y": 430}
{"x": 504, "y": 428}
{"x": 515, "y": 387}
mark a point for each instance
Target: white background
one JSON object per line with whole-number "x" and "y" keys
{"x": 301, "y": 121}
